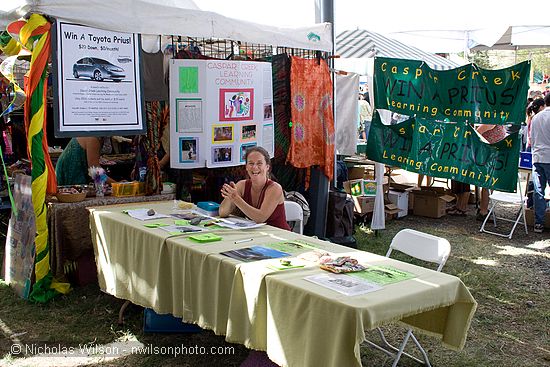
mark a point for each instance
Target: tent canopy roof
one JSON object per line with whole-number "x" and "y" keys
{"x": 493, "y": 38}
{"x": 168, "y": 17}
{"x": 365, "y": 44}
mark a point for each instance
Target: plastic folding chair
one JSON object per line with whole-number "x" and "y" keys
{"x": 294, "y": 214}
{"x": 499, "y": 199}
{"x": 424, "y": 247}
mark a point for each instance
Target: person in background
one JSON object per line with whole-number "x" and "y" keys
{"x": 462, "y": 192}
{"x": 257, "y": 197}
{"x": 366, "y": 114}
{"x": 540, "y": 148}
{"x": 534, "y": 107}
{"x": 80, "y": 154}
{"x": 429, "y": 180}
{"x": 491, "y": 134}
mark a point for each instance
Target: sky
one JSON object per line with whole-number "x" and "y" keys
{"x": 380, "y": 16}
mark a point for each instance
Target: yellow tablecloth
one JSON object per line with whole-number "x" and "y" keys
{"x": 297, "y": 322}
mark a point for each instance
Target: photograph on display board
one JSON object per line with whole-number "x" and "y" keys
{"x": 222, "y": 133}
{"x": 248, "y": 132}
{"x": 222, "y": 154}
{"x": 188, "y": 149}
{"x": 268, "y": 111}
{"x": 244, "y": 147}
{"x": 236, "y": 104}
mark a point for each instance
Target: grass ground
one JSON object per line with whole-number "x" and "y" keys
{"x": 510, "y": 279}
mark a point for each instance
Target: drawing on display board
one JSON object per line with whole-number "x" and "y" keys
{"x": 222, "y": 154}
{"x": 248, "y": 132}
{"x": 236, "y": 104}
{"x": 188, "y": 115}
{"x": 244, "y": 147}
{"x": 188, "y": 149}
{"x": 268, "y": 111}
{"x": 222, "y": 133}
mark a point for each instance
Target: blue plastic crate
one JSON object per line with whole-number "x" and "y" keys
{"x": 525, "y": 160}
{"x": 155, "y": 323}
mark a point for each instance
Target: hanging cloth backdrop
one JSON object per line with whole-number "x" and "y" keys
{"x": 290, "y": 178}
{"x": 445, "y": 150}
{"x": 347, "y": 89}
{"x": 465, "y": 94}
{"x": 34, "y": 34}
{"x": 312, "y": 136}
{"x": 158, "y": 116}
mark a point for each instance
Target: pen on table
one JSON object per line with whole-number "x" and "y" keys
{"x": 241, "y": 241}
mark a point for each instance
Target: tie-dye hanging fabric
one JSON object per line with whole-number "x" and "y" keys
{"x": 312, "y": 136}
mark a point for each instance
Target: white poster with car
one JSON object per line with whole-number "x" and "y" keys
{"x": 98, "y": 82}
{"x": 218, "y": 109}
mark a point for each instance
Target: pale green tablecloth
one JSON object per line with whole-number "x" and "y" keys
{"x": 297, "y": 322}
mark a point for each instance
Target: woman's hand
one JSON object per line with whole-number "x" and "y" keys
{"x": 229, "y": 191}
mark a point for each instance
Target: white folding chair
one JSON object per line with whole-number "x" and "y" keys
{"x": 424, "y": 247}
{"x": 294, "y": 214}
{"x": 498, "y": 199}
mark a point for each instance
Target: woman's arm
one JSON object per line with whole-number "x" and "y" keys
{"x": 273, "y": 197}
{"x": 93, "y": 147}
{"x": 230, "y": 192}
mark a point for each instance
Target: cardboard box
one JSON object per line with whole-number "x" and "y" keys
{"x": 360, "y": 187}
{"x": 405, "y": 188}
{"x": 401, "y": 187}
{"x": 431, "y": 202}
{"x": 392, "y": 211}
{"x": 530, "y": 218}
{"x": 363, "y": 204}
{"x": 401, "y": 200}
{"x": 355, "y": 173}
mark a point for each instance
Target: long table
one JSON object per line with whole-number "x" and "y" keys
{"x": 296, "y": 322}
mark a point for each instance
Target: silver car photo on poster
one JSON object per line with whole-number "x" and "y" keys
{"x": 97, "y": 69}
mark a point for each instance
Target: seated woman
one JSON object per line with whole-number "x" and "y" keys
{"x": 257, "y": 197}
{"x": 78, "y": 155}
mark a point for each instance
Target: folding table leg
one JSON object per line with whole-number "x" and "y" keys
{"x": 121, "y": 312}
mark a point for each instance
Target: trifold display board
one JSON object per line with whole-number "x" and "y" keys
{"x": 218, "y": 109}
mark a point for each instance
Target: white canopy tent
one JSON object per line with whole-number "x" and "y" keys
{"x": 357, "y": 48}
{"x": 167, "y": 17}
{"x": 502, "y": 37}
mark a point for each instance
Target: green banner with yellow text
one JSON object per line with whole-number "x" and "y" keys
{"x": 447, "y": 150}
{"x": 465, "y": 94}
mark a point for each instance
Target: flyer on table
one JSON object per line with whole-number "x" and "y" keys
{"x": 98, "y": 80}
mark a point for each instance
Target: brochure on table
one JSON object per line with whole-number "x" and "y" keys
{"x": 218, "y": 109}
{"x": 344, "y": 284}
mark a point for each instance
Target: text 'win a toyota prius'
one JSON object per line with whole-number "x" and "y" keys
{"x": 97, "y": 69}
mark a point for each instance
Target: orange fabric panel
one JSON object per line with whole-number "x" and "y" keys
{"x": 312, "y": 135}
